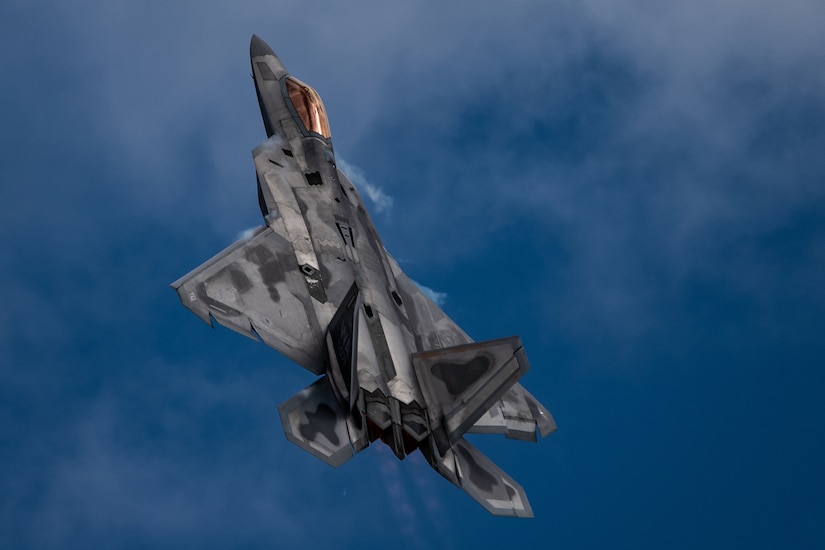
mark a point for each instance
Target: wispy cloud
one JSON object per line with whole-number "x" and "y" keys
{"x": 379, "y": 198}
{"x": 402, "y": 505}
{"x": 438, "y": 297}
{"x": 247, "y": 233}
{"x": 425, "y": 479}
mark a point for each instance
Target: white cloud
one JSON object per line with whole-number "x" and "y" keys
{"x": 247, "y": 234}
{"x": 438, "y": 297}
{"x": 380, "y": 200}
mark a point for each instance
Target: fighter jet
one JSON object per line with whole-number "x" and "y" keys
{"x": 316, "y": 283}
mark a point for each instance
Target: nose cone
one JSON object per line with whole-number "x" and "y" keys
{"x": 258, "y": 47}
{"x": 271, "y": 65}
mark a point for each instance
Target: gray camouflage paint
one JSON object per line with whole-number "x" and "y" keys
{"x": 317, "y": 284}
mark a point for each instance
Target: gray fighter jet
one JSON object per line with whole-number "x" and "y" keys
{"x": 316, "y": 283}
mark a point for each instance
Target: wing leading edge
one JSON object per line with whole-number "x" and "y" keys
{"x": 255, "y": 287}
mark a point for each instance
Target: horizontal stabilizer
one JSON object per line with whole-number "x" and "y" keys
{"x": 488, "y": 484}
{"x": 462, "y": 382}
{"x": 313, "y": 420}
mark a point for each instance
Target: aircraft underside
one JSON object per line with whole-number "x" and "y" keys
{"x": 316, "y": 283}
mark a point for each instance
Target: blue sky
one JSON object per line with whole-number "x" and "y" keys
{"x": 636, "y": 189}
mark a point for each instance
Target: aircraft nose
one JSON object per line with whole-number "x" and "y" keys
{"x": 258, "y": 47}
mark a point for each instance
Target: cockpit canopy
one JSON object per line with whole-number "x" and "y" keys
{"x": 309, "y": 107}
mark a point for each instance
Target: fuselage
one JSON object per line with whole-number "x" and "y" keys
{"x": 316, "y": 284}
{"x": 342, "y": 247}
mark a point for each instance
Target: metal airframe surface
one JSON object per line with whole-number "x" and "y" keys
{"x": 316, "y": 283}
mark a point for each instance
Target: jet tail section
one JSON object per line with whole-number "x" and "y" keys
{"x": 461, "y": 383}
{"x": 314, "y": 421}
{"x": 488, "y": 484}
{"x": 469, "y": 469}
{"x": 517, "y": 415}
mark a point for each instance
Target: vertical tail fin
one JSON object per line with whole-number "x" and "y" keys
{"x": 462, "y": 382}
{"x": 474, "y": 387}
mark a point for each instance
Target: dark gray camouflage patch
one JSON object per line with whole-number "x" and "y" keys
{"x": 457, "y": 376}
{"x": 323, "y": 421}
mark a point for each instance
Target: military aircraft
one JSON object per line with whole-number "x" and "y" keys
{"x": 316, "y": 283}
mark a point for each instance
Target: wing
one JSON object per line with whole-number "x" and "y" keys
{"x": 271, "y": 285}
{"x": 256, "y": 287}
